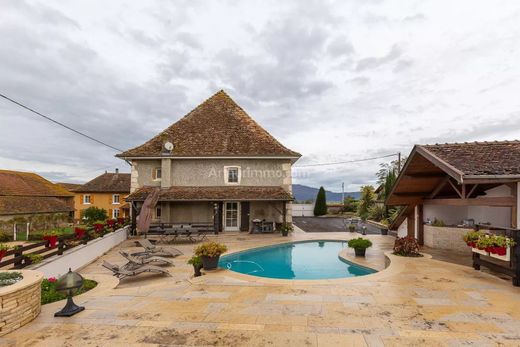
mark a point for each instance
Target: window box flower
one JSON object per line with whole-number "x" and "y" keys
{"x": 80, "y": 232}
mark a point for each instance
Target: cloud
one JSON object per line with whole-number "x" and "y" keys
{"x": 375, "y": 62}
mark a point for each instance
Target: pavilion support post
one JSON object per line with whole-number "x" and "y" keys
{"x": 284, "y": 212}
{"x": 134, "y": 218}
{"x": 411, "y": 223}
{"x": 420, "y": 225}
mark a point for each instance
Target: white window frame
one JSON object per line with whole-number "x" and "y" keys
{"x": 114, "y": 202}
{"x": 114, "y": 213}
{"x": 85, "y": 200}
{"x": 154, "y": 174}
{"x": 226, "y": 174}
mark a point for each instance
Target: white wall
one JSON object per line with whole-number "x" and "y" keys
{"x": 79, "y": 256}
{"x": 303, "y": 210}
{"x": 402, "y": 230}
{"x": 454, "y": 215}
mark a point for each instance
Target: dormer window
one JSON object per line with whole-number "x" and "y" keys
{"x": 232, "y": 174}
{"x": 156, "y": 173}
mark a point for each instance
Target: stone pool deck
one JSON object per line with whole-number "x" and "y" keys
{"x": 415, "y": 301}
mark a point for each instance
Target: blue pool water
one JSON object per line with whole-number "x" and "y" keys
{"x": 308, "y": 260}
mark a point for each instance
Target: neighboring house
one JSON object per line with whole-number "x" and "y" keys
{"x": 458, "y": 185}
{"x": 69, "y": 186}
{"x": 215, "y": 165}
{"x": 26, "y": 197}
{"x": 107, "y": 191}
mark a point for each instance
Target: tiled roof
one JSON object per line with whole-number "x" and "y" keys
{"x": 217, "y": 127}
{"x": 15, "y": 183}
{"x": 69, "y": 186}
{"x": 10, "y": 205}
{"x": 107, "y": 183}
{"x": 241, "y": 193}
{"x": 480, "y": 158}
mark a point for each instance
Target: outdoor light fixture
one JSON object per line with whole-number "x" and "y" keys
{"x": 68, "y": 283}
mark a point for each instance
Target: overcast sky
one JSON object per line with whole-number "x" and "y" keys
{"x": 332, "y": 80}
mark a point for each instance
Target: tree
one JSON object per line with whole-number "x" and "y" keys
{"x": 386, "y": 167}
{"x": 92, "y": 214}
{"x": 320, "y": 207}
{"x": 377, "y": 212}
{"x": 349, "y": 204}
{"x": 366, "y": 201}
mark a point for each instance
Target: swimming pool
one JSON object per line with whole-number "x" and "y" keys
{"x": 306, "y": 260}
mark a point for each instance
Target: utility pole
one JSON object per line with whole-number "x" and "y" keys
{"x": 342, "y": 192}
{"x": 398, "y": 163}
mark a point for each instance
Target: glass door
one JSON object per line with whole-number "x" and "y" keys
{"x": 231, "y": 216}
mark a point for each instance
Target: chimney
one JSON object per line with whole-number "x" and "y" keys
{"x": 117, "y": 170}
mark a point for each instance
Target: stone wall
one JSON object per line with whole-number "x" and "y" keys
{"x": 449, "y": 238}
{"x": 20, "y": 302}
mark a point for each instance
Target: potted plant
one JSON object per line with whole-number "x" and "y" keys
{"x": 483, "y": 245}
{"x": 51, "y": 237}
{"x": 501, "y": 248}
{"x": 120, "y": 220}
{"x": 33, "y": 258}
{"x": 209, "y": 253}
{"x": 99, "y": 226}
{"x": 351, "y": 228}
{"x": 80, "y": 232}
{"x": 471, "y": 238}
{"x": 286, "y": 228}
{"x": 360, "y": 245}
{"x": 3, "y": 250}
{"x": 196, "y": 261}
{"x": 407, "y": 246}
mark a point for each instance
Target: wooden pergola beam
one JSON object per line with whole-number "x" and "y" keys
{"x": 506, "y": 201}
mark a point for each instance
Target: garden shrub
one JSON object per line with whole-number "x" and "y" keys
{"x": 360, "y": 243}
{"x": 93, "y": 213}
{"x": 210, "y": 249}
{"x": 4, "y": 237}
{"x": 49, "y": 293}
{"x": 407, "y": 247}
{"x": 8, "y": 278}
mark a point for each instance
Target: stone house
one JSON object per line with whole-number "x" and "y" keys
{"x": 215, "y": 165}
{"x": 29, "y": 200}
{"x": 447, "y": 189}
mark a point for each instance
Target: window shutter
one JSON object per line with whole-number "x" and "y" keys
{"x": 110, "y": 215}
{"x": 92, "y": 199}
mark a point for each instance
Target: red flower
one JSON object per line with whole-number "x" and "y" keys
{"x": 52, "y": 279}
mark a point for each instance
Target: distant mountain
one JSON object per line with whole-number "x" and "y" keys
{"x": 302, "y": 193}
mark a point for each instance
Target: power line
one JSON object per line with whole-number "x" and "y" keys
{"x": 347, "y": 162}
{"x": 61, "y": 124}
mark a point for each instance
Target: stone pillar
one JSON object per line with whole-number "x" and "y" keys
{"x": 134, "y": 175}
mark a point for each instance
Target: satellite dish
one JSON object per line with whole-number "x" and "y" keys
{"x": 168, "y": 146}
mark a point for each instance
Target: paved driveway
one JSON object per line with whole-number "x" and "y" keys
{"x": 327, "y": 224}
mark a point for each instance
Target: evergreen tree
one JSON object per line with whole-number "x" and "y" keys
{"x": 320, "y": 207}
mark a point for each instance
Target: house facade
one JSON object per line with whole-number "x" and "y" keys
{"x": 107, "y": 191}
{"x": 447, "y": 189}
{"x": 214, "y": 166}
{"x": 29, "y": 201}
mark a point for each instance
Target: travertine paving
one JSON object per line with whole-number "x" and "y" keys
{"x": 414, "y": 302}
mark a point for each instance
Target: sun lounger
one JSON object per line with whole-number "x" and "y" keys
{"x": 134, "y": 262}
{"x": 152, "y": 250}
{"x": 122, "y": 273}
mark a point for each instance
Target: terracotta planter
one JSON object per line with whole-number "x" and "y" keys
{"x": 210, "y": 263}
{"x": 502, "y": 253}
{"x": 360, "y": 252}
{"x": 52, "y": 240}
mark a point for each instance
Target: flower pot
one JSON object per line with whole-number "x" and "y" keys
{"x": 80, "y": 233}
{"x": 285, "y": 232}
{"x": 196, "y": 270}
{"x": 502, "y": 253}
{"x": 360, "y": 252}
{"x": 384, "y": 231}
{"x": 480, "y": 251}
{"x": 210, "y": 263}
{"x": 2, "y": 254}
{"x": 52, "y": 240}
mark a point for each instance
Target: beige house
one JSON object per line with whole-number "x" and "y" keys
{"x": 215, "y": 166}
